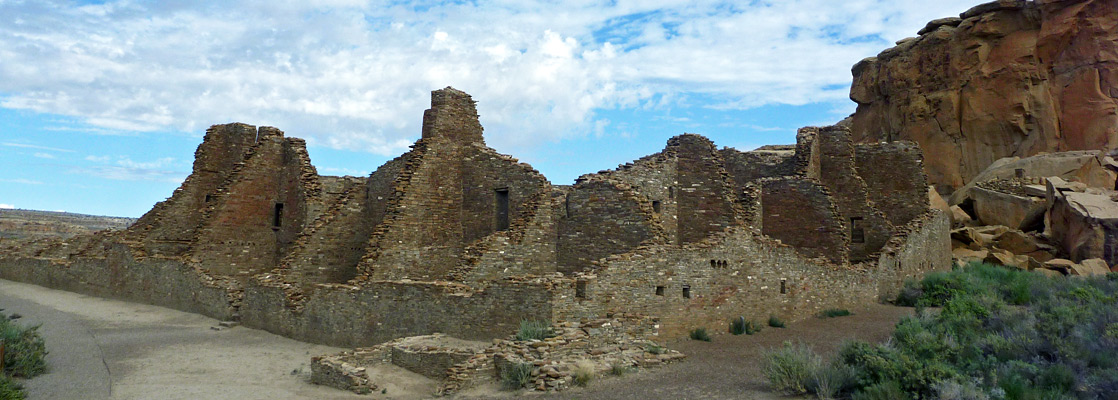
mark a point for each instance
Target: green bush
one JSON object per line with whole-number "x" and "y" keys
{"x": 9, "y": 389}
{"x": 618, "y": 369}
{"x": 25, "y": 352}
{"x": 775, "y": 322}
{"x": 516, "y": 375}
{"x": 656, "y": 349}
{"x": 828, "y": 381}
{"x": 790, "y": 368}
{"x": 835, "y": 312}
{"x": 700, "y": 334}
{"x": 888, "y": 390}
{"x": 534, "y": 330}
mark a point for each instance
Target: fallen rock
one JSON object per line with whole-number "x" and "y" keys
{"x": 999, "y": 208}
{"x": 1005, "y": 258}
{"x": 1064, "y": 266}
{"x": 967, "y": 255}
{"x": 1085, "y": 225}
{"x": 1017, "y": 242}
{"x": 959, "y": 217}
{"x": 1095, "y": 266}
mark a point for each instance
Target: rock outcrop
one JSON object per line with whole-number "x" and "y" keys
{"x": 1007, "y": 78}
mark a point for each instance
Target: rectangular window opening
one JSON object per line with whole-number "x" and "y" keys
{"x": 857, "y": 230}
{"x": 502, "y": 209}
{"x": 656, "y": 206}
{"x": 277, "y": 215}
{"x": 783, "y": 286}
{"x": 659, "y": 290}
{"x": 687, "y": 291}
{"x": 580, "y": 289}
{"x": 209, "y": 198}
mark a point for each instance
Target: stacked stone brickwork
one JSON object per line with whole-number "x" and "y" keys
{"x": 454, "y": 237}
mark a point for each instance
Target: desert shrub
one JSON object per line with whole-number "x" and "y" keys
{"x": 835, "y": 312}
{"x": 618, "y": 369}
{"x": 9, "y": 389}
{"x": 909, "y": 294}
{"x": 700, "y": 334}
{"x": 516, "y": 375}
{"x": 953, "y": 390}
{"x": 655, "y": 349}
{"x": 888, "y": 390}
{"x": 24, "y": 349}
{"x": 775, "y": 322}
{"x": 790, "y": 368}
{"x": 537, "y": 330}
{"x": 828, "y": 381}
{"x": 583, "y": 372}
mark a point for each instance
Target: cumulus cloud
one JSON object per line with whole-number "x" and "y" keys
{"x": 356, "y": 74}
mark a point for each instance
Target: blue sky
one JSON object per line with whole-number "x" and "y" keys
{"x": 102, "y": 104}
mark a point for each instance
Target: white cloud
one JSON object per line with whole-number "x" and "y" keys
{"x": 124, "y": 168}
{"x": 36, "y": 147}
{"x": 7, "y": 206}
{"x": 22, "y": 181}
{"x": 350, "y": 74}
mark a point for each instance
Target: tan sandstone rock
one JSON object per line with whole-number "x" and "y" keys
{"x": 1010, "y": 78}
{"x": 1085, "y": 225}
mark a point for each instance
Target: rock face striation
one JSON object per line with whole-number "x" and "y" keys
{"x": 1006, "y": 78}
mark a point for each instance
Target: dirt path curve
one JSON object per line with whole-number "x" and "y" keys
{"x": 108, "y": 349}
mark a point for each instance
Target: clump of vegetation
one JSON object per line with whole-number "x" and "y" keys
{"x": 775, "y": 322}
{"x": 835, "y": 312}
{"x": 1000, "y": 333}
{"x": 516, "y": 375}
{"x": 789, "y": 368}
{"x": 741, "y": 325}
{"x": 24, "y": 353}
{"x": 534, "y": 330}
{"x": 618, "y": 369}
{"x": 583, "y": 372}
{"x": 656, "y": 349}
{"x": 700, "y": 334}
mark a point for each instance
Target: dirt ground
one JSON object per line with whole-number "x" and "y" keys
{"x": 108, "y": 349}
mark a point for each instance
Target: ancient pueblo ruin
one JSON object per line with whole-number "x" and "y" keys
{"x": 456, "y": 242}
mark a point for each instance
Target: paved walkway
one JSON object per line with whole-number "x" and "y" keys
{"x": 108, "y": 349}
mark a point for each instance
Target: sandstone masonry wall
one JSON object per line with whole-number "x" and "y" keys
{"x": 790, "y": 204}
{"x": 893, "y": 173}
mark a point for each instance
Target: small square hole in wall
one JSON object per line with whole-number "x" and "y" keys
{"x": 659, "y": 290}
{"x": 687, "y": 291}
{"x": 209, "y": 198}
{"x": 713, "y": 264}
{"x": 656, "y": 206}
{"x": 857, "y": 230}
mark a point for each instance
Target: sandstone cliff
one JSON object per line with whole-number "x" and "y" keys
{"x": 1007, "y": 78}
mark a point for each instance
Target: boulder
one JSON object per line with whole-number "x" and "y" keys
{"x": 1005, "y": 258}
{"x": 999, "y": 208}
{"x": 1017, "y": 242}
{"x": 959, "y": 217}
{"x": 967, "y": 255}
{"x": 1064, "y": 266}
{"x": 1012, "y": 78}
{"x": 1085, "y": 167}
{"x": 1049, "y": 272}
{"x": 1085, "y": 226}
{"x": 937, "y": 202}
{"x": 1095, "y": 266}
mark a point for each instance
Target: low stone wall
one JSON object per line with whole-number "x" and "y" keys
{"x": 921, "y": 246}
{"x": 380, "y": 311}
{"x": 161, "y": 282}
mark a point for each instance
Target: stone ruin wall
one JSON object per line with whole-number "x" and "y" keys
{"x": 894, "y": 180}
{"x": 834, "y": 167}
{"x": 791, "y": 203}
{"x": 337, "y": 273}
{"x": 743, "y": 273}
